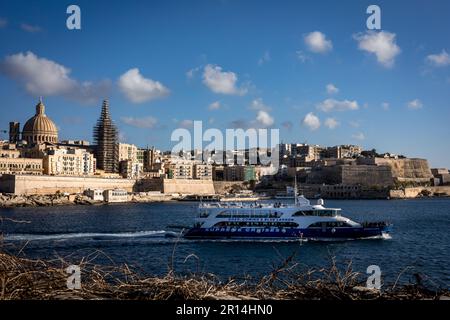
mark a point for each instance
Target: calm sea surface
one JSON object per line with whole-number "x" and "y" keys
{"x": 136, "y": 234}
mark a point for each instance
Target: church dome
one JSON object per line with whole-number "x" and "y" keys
{"x": 40, "y": 128}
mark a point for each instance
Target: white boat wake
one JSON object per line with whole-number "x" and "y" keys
{"x": 91, "y": 235}
{"x": 158, "y": 235}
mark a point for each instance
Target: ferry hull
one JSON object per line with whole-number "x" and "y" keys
{"x": 293, "y": 233}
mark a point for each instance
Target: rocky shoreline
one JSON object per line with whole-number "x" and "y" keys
{"x": 10, "y": 201}
{"x": 43, "y": 200}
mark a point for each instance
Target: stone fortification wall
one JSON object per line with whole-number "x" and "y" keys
{"x": 416, "y": 170}
{"x": 42, "y": 185}
{"x": 364, "y": 175}
{"x": 188, "y": 186}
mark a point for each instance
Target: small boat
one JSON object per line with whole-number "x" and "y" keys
{"x": 300, "y": 220}
{"x": 289, "y": 194}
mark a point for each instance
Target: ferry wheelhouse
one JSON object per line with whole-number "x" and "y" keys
{"x": 277, "y": 220}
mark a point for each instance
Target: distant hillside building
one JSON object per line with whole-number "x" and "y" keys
{"x": 344, "y": 151}
{"x": 442, "y": 175}
{"x": 180, "y": 169}
{"x": 129, "y": 169}
{"x": 69, "y": 162}
{"x": 105, "y": 139}
{"x": 125, "y": 151}
{"x": 14, "y": 165}
{"x": 239, "y": 173}
{"x": 202, "y": 171}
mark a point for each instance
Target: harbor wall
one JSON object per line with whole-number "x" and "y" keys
{"x": 188, "y": 186}
{"x": 42, "y": 185}
{"x": 45, "y": 185}
{"x": 224, "y": 187}
{"x": 149, "y": 184}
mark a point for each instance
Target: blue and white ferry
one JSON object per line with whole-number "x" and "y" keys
{"x": 300, "y": 220}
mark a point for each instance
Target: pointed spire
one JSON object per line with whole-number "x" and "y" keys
{"x": 105, "y": 109}
{"x": 105, "y": 138}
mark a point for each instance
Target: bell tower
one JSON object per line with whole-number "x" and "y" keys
{"x": 14, "y": 132}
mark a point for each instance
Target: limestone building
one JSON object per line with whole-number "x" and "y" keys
{"x": 125, "y": 151}
{"x": 203, "y": 171}
{"x": 13, "y": 165}
{"x": 69, "y": 162}
{"x": 129, "y": 169}
{"x": 239, "y": 173}
{"x": 180, "y": 170}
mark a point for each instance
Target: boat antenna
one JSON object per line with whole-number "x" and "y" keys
{"x": 295, "y": 189}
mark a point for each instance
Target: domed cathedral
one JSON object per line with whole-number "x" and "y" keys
{"x": 40, "y": 129}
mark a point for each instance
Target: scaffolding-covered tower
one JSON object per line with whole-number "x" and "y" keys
{"x": 106, "y": 138}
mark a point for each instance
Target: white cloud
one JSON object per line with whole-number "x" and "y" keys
{"x": 332, "y": 89}
{"x": 264, "y": 118}
{"x": 317, "y": 42}
{"x": 331, "y": 123}
{"x": 191, "y": 73}
{"x": 311, "y": 121}
{"x": 187, "y": 124}
{"x": 139, "y": 89}
{"x": 40, "y": 76}
{"x": 385, "y": 106}
{"x": 415, "y": 104}
{"x": 265, "y": 58}
{"x": 219, "y": 81}
{"x": 258, "y": 104}
{"x": 44, "y": 77}
{"x": 337, "y": 105}
{"x": 382, "y": 44}
{"x": 215, "y": 105}
{"x": 302, "y": 56}
{"x": 439, "y": 60}
{"x": 146, "y": 122}
{"x": 30, "y": 28}
{"x": 359, "y": 136}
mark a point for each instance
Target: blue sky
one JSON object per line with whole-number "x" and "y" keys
{"x": 163, "y": 64}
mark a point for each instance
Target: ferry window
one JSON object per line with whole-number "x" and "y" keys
{"x": 326, "y": 212}
{"x": 304, "y": 213}
{"x": 315, "y": 225}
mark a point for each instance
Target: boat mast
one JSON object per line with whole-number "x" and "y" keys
{"x": 295, "y": 189}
